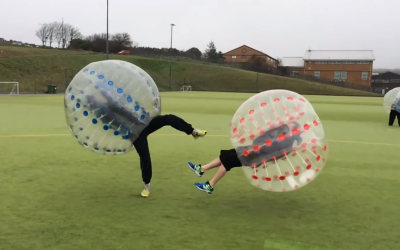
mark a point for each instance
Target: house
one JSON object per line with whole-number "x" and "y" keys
{"x": 294, "y": 65}
{"x": 385, "y": 81}
{"x": 352, "y": 66}
{"x": 244, "y": 53}
{"x": 2, "y": 40}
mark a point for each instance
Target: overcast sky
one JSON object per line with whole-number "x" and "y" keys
{"x": 276, "y": 27}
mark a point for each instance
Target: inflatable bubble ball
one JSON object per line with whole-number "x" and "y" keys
{"x": 391, "y": 101}
{"x": 280, "y": 140}
{"x": 108, "y": 103}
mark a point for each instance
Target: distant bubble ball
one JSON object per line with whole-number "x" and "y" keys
{"x": 391, "y": 100}
{"x": 108, "y": 103}
{"x": 279, "y": 140}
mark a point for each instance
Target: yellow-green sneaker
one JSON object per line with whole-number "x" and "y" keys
{"x": 205, "y": 187}
{"x": 145, "y": 192}
{"x": 197, "y": 133}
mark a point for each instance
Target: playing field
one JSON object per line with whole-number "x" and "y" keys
{"x": 56, "y": 195}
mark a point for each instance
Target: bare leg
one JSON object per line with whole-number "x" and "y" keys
{"x": 213, "y": 164}
{"x": 218, "y": 176}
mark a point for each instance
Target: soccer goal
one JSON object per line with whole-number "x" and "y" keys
{"x": 9, "y": 88}
{"x": 186, "y": 88}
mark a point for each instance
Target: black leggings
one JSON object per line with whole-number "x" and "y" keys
{"x": 392, "y": 116}
{"x": 142, "y": 146}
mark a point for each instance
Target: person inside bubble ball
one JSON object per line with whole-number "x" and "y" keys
{"x": 119, "y": 113}
{"x": 394, "y": 112}
{"x": 229, "y": 159}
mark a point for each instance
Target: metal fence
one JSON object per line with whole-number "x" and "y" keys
{"x": 253, "y": 82}
{"x": 55, "y": 77}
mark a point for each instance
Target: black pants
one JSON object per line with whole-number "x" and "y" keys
{"x": 142, "y": 146}
{"x": 392, "y": 116}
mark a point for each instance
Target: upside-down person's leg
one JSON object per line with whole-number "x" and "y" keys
{"x": 228, "y": 159}
{"x": 142, "y": 148}
{"x": 208, "y": 186}
{"x": 200, "y": 169}
{"x": 175, "y": 122}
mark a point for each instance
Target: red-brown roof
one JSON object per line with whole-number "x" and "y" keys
{"x": 244, "y": 45}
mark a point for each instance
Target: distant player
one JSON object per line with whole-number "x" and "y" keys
{"x": 229, "y": 159}
{"x": 394, "y": 113}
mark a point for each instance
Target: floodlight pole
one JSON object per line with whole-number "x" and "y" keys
{"x": 107, "y": 34}
{"x": 170, "y": 60}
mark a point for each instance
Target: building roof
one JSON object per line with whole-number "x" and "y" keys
{"x": 293, "y": 62}
{"x": 244, "y": 45}
{"x": 387, "y": 75}
{"x": 339, "y": 55}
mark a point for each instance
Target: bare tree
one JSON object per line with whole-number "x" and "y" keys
{"x": 52, "y": 29}
{"x": 69, "y": 33}
{"x": 58, "y": 33}
{"x": 278, "y": 61}
{"x": 43, "y": 33}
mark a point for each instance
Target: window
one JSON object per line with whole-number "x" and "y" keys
{"x": 337, "y": 75}
{"x": 294, "y": 73}
{"x": 362, "y": 62}
{"x": 244, "y": 57}
{"x": 381, "y": 81}
{"x": 317, "y": 74}
{"x": 334, "y": 62}
{"x": 233, "y": 57}
{"x": 343, "y": 75}
{"x": 349, "y": 62}
{"x": 394, "y": 80}
{"x": 320, "y": 62}
{"x": 364, "y": 75}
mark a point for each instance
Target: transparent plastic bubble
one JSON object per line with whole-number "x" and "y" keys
{"x": 108, "y": 103}
{"x": 392, "y": 100}
{"x": 280, "y": 140}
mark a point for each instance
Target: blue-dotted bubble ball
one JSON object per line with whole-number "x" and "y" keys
{"x": 108, "y": 104}
{"x": 279, "y": 140}
{"x": 391, "y": 100}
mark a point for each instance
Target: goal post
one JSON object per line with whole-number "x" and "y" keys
{"x": 9, "y": 88}
{"x": 186, "y": 88}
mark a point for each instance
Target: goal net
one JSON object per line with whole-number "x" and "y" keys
{"x": 9, "y": 88}
{"x": 186, "y": 88}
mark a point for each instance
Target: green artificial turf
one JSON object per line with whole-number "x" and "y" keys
{"x": 56, "y": 195}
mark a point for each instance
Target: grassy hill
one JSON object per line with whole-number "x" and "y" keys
{"x": 35, "y": 68}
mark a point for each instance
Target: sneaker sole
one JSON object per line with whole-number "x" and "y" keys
{"x": 197, "y": 173}
{"x": 203, "y": 190}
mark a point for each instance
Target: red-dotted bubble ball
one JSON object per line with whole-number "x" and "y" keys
{"x": 279, "y": 129}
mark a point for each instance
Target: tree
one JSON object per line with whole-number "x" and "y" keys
{"x": 211, "y": 51}
{"x": 282, "y": 70}
{"x": 120, "y": 41}
{"x": 58, "y": 33}
{"x": 73, "y": 33}
{"x": 42, "y": 33}
{"x": 64, "y": 33}
{"x": 220, "y": 55}
{"x": 52, "y": 29}
{"x": 278, "y": 61}
{"x": 257, "y": 61}
{"x": 193, "y": 53}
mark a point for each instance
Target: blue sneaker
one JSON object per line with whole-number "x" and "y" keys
{"x": 205, "y": 187}
{"x": 196, "y": 169}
